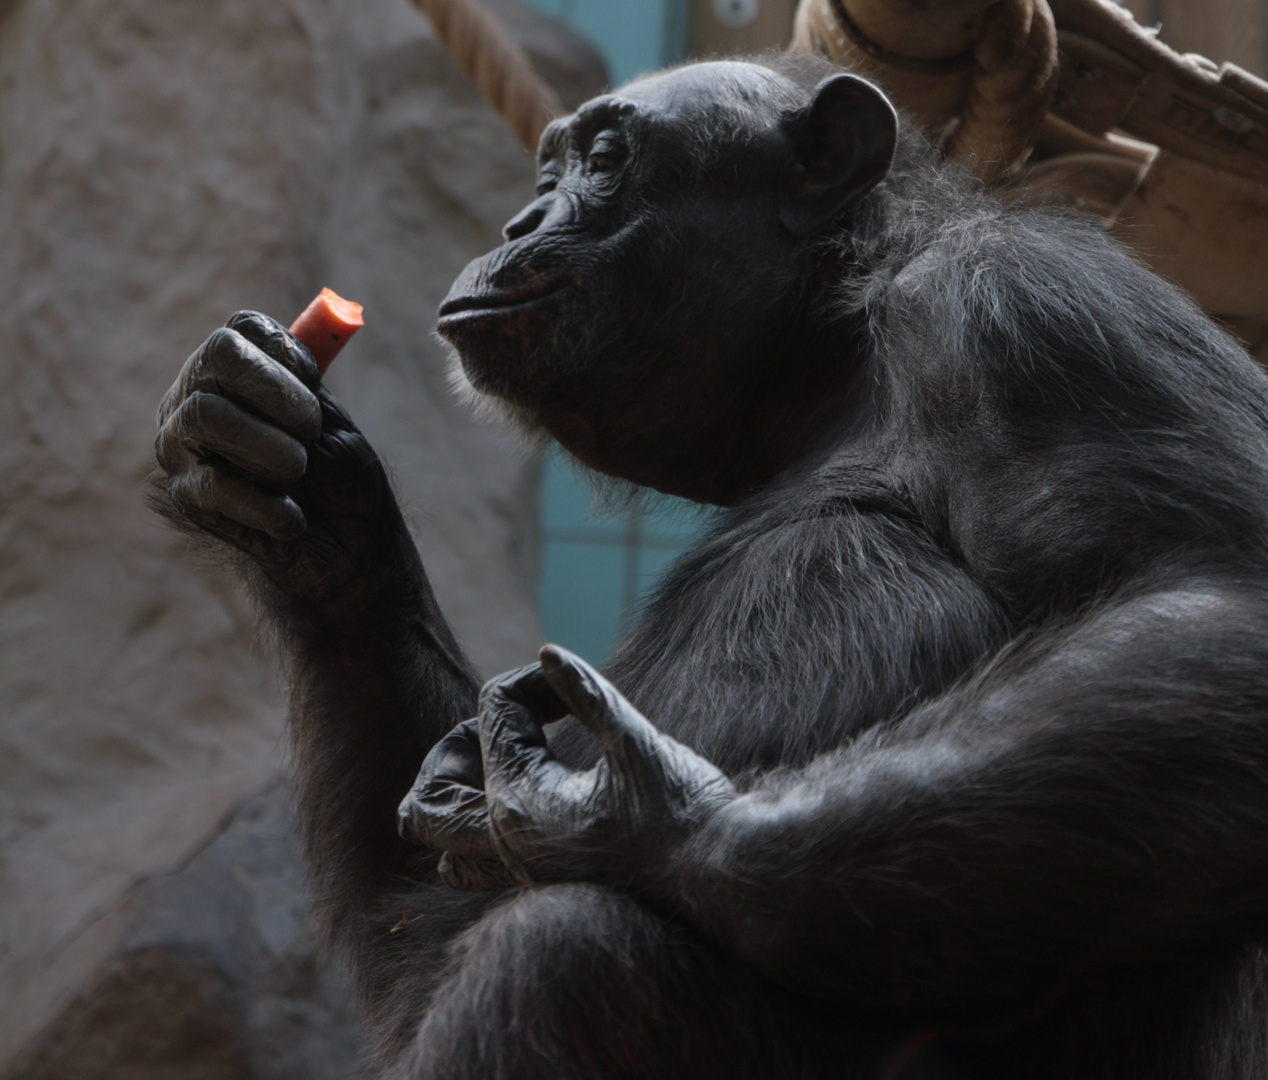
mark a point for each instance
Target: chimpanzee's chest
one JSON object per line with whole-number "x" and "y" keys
{"x": 787, "y": 636}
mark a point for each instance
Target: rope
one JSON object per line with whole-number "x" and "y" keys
{"x": 1005, "y": 50}
{"x": 1013, "y": 86}
{"x": 499, "y": 68}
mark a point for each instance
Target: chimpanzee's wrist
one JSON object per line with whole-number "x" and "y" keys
{"x": 691, "y": 870}
{"x": 384, "y": 587}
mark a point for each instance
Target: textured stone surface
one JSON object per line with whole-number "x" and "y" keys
{"x": 163, "y": 163}
{"x": 214, "y": 974}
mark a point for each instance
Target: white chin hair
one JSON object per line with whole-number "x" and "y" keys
{"x": 489, "y": 409}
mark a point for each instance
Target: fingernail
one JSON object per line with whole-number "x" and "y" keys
{"x": 550, "y": 657}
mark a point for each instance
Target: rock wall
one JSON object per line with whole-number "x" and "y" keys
{"x": 162, "y": 164}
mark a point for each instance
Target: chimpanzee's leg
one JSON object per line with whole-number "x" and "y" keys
{"x": 574, "y": 982}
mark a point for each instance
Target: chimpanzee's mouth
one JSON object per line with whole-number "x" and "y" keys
{"x": 501, "y": 302}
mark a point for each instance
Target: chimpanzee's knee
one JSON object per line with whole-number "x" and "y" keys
{"x": 575, "y": 982}
{"x": 559, "y": 981}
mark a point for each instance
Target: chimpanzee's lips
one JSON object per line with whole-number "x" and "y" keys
{"x": 499, "y": 303}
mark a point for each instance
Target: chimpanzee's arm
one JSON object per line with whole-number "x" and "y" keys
{"x": 780, "y": 636}
{"x": 259, "y": 456}
{"x": 1099, "y": 794}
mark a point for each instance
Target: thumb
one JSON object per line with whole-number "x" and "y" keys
{"x": 594, "y": 701}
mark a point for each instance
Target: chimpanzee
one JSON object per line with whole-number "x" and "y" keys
{"x": 943, "y": 753}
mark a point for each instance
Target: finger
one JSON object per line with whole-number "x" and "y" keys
{"x": 456, "y": 758}
{"x": 227, "y": 364}
{"x": 530, "y": 687}
{"x": 612, "y": 720}
{"x": 210, "y": 423}
{"x": 511, "y": 739}
{"x": 259, "y": 545}
{"x": 235, "y": 367}
{"x": 449, "y": 817}
{"x": 274, "y": 340}
{"x": 525, "y": 782}
{"x": 446, "y": 807}
{"x": 201, "y": 489}
{"x": 176, "y": 393}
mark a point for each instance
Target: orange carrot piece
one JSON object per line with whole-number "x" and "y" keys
{"x": 326, "y": 326}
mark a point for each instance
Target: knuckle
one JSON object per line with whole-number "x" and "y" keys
{"x": 222, "y": 356}
{"x": 178, "y": 492}
{"x": 492, "y": 693}
{"x": 169, "y": 451}
{"x": 198, "y": 413}
{"x": 207, "y": 484}
{"x": 188, "y": 491}
{"x": 256, "y": 327}
{"x": 224, "y": 342}
{"x": 509, "y": 817}
{"x": 292, "y": 522}
{"x": 293, "y": 464}
{"x": 173, "y": 399}
{"x": 501, "y": 687}
{"x": 245, "y": 317}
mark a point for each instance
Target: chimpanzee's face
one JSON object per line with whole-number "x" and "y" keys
{"x": 656, "y": 264}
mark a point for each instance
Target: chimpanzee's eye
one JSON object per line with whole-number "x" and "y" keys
{"x": 605, "y": 156}
{"x": 547, "y": 179}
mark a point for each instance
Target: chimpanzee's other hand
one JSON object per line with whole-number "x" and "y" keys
{"x": 507, "y": 799}
{"x": 259, "y": 455}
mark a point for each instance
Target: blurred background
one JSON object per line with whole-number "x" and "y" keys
{"x": 164, "y": 163}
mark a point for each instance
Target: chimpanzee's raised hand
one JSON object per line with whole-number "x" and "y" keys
{"x": 508, "y": 798}
{"x": 259, "y": 455}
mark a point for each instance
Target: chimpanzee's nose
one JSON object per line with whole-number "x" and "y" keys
{"x": 550, "y": 211}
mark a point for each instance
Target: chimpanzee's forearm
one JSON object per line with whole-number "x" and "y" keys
{"x": 376, "y": 679}
{"x": 260, "y": 460}
{"x": 1102, "y": 797}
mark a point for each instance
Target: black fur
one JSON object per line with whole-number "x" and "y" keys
{"x": 983, "y": 636}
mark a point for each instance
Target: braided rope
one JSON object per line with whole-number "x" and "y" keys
{"x": 1010, "y": 65}
{"x": 1013, "y": 87}
{"x": 499, "y": 68}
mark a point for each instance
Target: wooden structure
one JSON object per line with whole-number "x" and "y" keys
{"x": 1072, "y": 103}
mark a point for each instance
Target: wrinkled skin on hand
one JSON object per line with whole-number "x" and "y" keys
{"x": 258, "y": 454}
{"x": 505, "y": 810}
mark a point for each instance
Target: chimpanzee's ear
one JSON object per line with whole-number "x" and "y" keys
{"x": 843, "y": 143}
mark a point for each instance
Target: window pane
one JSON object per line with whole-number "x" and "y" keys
{"x": 596, "y": 568}
{"x": 634, "y": 36}
{"x": 579, "y": 597}
{"x": 567, "y": 507}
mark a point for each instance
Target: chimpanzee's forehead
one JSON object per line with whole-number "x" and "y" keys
{"x": 712, "y": 81}
{"x": 696, "y": 89}
{"x": 692, "y": 95}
